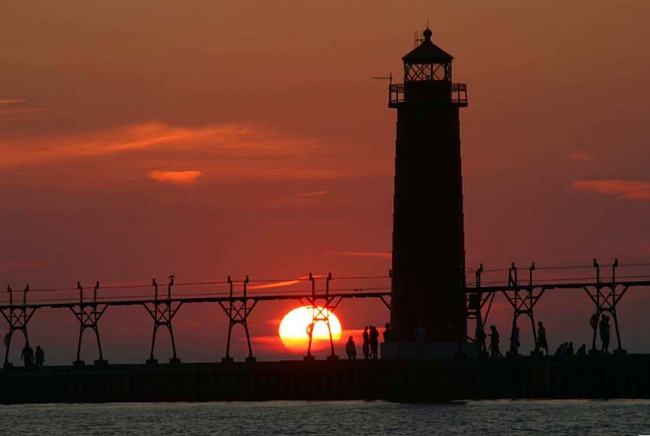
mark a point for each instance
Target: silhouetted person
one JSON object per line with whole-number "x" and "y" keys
{"x": 569, "y": 350}
{"x": 420, "y": 335}
{"x": 39, "y": 356}
{"x": 494, "y": 342}
{"x": 514, "y": 340}
{"x": 604, "y": 333}
{"x": 561, "y": 350}
{"x": 351, "y": 349}
{"x": 366, "y": 343}
{"x": 542, "y": 343}
{"x": 374, "y": 341}
{"x": 386, "y": 332}
{"x": 27, "y": 355}
{"x": 582, "y": 351}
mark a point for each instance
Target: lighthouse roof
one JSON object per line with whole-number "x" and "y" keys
{"x": 427, "y": 52}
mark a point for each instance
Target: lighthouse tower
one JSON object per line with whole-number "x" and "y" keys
{"x": 428, "y": 259}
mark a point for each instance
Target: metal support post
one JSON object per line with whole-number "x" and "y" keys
{"x": 523, "y": 298}
{"x": 17, "y": 317}
{"x": 605, "y": 297}
{"x": 475, "y": 301}
{"x": 162, "y": 312}
{"x": 320, "y": 313}
{"x": 238, "y": 311}
{"x": 88, "y": 315}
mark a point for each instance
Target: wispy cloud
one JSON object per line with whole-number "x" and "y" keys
{"x": 175, "y": 177}
{"x": 12, "y": 100}
{"x": 225, "y": 151}
{"x": 623, "y": 189}
{"x": 286, "y": 283}
{"x": 282, "y": 284}
{"x": 13, "y": 108}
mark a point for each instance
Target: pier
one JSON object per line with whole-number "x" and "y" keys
{"x": 438, "y": 380}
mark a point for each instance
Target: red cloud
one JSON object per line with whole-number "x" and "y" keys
{"x": 175, "y": 177}
{"x": 624, "y": 189}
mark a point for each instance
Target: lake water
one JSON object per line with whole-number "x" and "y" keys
{"x": 502, "y": 417}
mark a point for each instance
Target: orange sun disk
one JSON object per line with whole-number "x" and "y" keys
{"x": 294, "y": 325}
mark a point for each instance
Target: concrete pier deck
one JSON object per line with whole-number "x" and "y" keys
{"x": 441, "y": 380}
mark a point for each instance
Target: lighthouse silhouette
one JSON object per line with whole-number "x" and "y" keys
{"x": 428, "y": 257}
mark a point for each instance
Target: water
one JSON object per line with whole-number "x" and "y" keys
{"x": 502, "y": 417}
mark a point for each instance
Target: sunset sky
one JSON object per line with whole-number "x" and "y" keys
{"x": 205, "y": 139}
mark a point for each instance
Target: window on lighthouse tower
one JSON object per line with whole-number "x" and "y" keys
{"x": 426, "y": 72}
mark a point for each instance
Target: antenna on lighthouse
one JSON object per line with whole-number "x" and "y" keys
{"x": 417, "y": 39}
{"x": 389, "y": 78}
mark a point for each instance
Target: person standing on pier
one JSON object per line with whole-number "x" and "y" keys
{"x": 374, "y": 342}
{"x": 27, "y": 355}
{"x": 366, "y": 343}
{"x": 351, "y": 349}
{"x": 39, "y": 357}
{"x": 514, "y": 340}
{"x": 387, "y": 332}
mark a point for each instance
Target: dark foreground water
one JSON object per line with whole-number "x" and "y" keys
{"x": 503, "y": 417}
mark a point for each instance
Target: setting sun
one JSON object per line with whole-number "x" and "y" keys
{"x": 293, "y": 329}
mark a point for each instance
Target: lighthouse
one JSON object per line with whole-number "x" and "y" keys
{"x": 428, "y": 253}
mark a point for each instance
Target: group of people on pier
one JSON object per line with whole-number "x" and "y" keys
{"x": 28, "y": 355}
{"x": 492, "y": 349}
{"x": 370, "y": 344}
{"x": 32, "y": 358}
{"x": 603, "y": 327}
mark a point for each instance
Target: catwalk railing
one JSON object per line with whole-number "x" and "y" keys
{"x": 238, "y": 298}
{"x": 605, "y": 291}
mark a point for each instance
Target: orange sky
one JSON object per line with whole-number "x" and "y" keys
{"x": 206, "y": 139}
